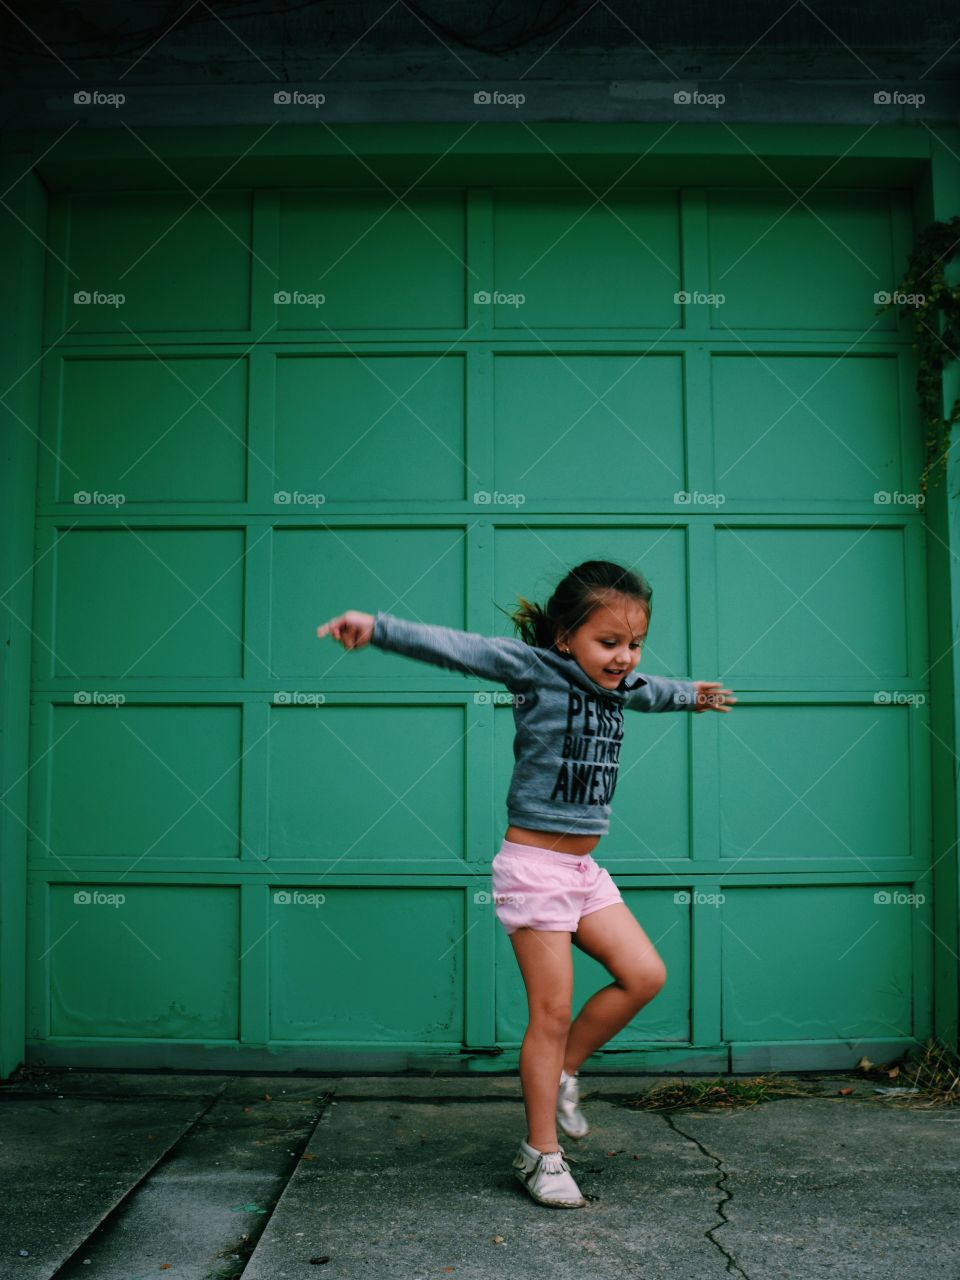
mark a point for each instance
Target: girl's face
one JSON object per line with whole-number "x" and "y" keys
{"x": 609, "y": 643}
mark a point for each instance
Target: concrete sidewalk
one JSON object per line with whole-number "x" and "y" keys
{"x": 118, "y": 1176}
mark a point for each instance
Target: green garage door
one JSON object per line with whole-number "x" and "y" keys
{"x": 251, "y": 847}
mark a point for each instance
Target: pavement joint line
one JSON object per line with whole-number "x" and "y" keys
{"x": 103, "y": 1223}
{"x": 726, "y": 1195}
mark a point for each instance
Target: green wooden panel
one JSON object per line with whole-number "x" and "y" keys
{"x": 665, "y": 918}
{"x": 179, "y": 264}
{"x": 808, "y": 428}
{"x": 317, "y": 573}
{"x": 127, "y": 427}
{"x": 375, "y": 781}
{"x": 155, "y": 961}
{"x": 830, "y": 961}
{"x": 132, "y": 781}
{"x": 378, "y": 263}
{"x": 377, "y": 965}
{"x": 147, "y": 602}
{"x": 812, "y": 602}
{"x": 603, "y": 429}
{"x": 369, "y": 428}
{"x": 806, "y": 770}
{"x": 809, "y": 264}
{"x": 584, "y": 264}
{"x": 651, "y": 817}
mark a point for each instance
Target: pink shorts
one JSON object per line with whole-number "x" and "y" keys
{"x": 541, "y": 889}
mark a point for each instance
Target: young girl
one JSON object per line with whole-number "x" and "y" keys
{"x": 572, "y": 676}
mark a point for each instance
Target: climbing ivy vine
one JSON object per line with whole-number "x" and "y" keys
{"x": 934, "y": 306}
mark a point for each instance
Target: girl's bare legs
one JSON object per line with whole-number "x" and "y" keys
{"x": 546, "y": 964}
{"x": 613, "y": 936}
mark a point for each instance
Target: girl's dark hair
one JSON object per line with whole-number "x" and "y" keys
{"x": 574, "y": 600}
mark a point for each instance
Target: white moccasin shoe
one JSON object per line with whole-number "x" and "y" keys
{"x": 569, "y": 1116}
{"x": 547, "y": 1177}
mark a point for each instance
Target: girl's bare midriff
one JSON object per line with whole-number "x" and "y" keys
{"x": 555, "y": 840}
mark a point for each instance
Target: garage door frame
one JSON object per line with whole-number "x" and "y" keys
{"x": 35, "y": 165}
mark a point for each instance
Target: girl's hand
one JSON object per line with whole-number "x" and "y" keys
{"x": 711, "y": 697}
{"x": 352, "y": 629}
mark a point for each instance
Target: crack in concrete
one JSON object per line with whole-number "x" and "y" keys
{"x": 733, "y": 1267}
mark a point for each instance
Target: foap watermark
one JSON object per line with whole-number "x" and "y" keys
{"x": 898, "y": 299}
{"x": 494, "y": 498}
{"x": 484, "y": 298}
{"x": 94, "y": 498}
{"x": 894, "y": 498}
{"x": 499, "y": 698}
{"x": 294, "y": 498}
{"x": 98, "y": 298}
{"x": 298, "y": 298}
{"x": 97, "y": 898}
{"x": 694, "y": 98}
{"x": 696, "y": 298}
{"x": 696, "y": 498}
{"x": 97, "y": 98}
{"x": 298, "y": 898}
{"x": 483, "y": 898}
{"x": 297, "y": 98}
{"x": 684, "y": 898}
{"x": 894, "y": 698}
{"x": 897, "y": 898}
{"x": 494, "y": 98}
{"x": 896, "y": 98}
{"x": 297, "y": 698}
{"x": 96, "y": 698}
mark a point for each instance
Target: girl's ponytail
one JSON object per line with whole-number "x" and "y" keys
{"x": 533, "y": 624}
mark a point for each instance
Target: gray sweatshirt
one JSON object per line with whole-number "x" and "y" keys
{"x": 568, "y": 728}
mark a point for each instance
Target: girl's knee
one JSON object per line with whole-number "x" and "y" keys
{"x": 644, "y": 982}
{"x": 551, "y": 1016}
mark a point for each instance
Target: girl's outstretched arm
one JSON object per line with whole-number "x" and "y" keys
{"x": 658, "y": 693}
{"x": 504, "y": 659}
